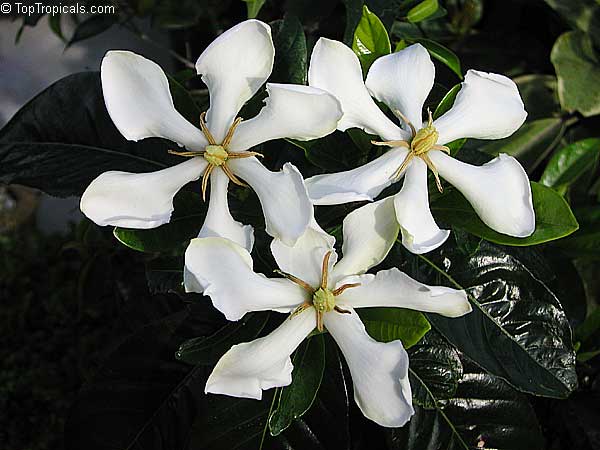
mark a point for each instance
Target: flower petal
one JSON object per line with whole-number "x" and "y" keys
{"x": 234, "y": 66}
{"x": 224, "y": 271}
{"x": 249, "y": 368}
{"x": 137, "y": 200}
{"x": 488, "y": 106}
{"x": 218, "y": 221}
{"x": 137, "y": 97}
{"x": 499, "y": 191}
{"x": 363, "y": 183}
{"x": 305, "y": 258}
{"x": 335, "y": 68}
{"x": 283, "y": 197}
{"x": 420, "y": 233}
{"x": 393, "y": 288}
{"x": 369, "y": 233}
{"x": 290, "y": 111}
{"x": 379, "y": 370}
{"x": 402, "y": 81}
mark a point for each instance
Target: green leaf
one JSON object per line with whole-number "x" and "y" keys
{"x": 531, "y": 143}
{"x": 92, "y": 26}
{"x": 297, "y": 398}
{"x": 422, "y": 11}
{"x": 253, "y": 7}
{"x": 581, "y": 14}
{"x": 553, "y": 217}
{"x": 55, "y": 25}
{"x": 578, "y": 71}
{"x": 390, "y": 324}
{"x": 442, "y": 54}
{"x": 517, "y": 329}
{"x": 187, "y": 219}
{"x": 446, "y": 103}
{"x": 539, "y": 94}
{"x": 291, "y": 60}
{"x": 184, "y": 101}
{"x": 570, "y": 162}
{"x": 370, "y": 40}
{"x": 165, "y": 275}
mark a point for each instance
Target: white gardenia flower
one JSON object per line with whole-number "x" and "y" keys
{"x": 319, "y": 293}
{"x": 234, "y": 67}
{"x": 488, "y": 106}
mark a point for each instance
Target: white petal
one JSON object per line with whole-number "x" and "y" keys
{"x": 224, "y": 270}
{"x": 499, "y": 191}
{"x": 403, "y": 80}
{"x": 249, "y": 368}
{"x": 305, "y": 258}
{"x": 290, "y": 111}
{"x": 488, "y": 106}
{"x": 137, "y": 200}
{"x": 363, "y": 183}
{"x": 420, "y": 233}
{"x": 218, "y": 220}
{"x": 234, "y": 66}
{"x": 379, "y": 371}
{"x": 283, "y": 197}
{"x": 393, "y": 288}
{"x": 369, "y": 233}
{"x": 335, "y": 68}
{"x": 137, "y": 97}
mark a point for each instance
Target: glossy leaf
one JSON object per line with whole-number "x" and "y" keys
{"x": 370, "y": 40}
{"x": 570, "y": 162}
{"x": 446, "y": 103}
{"x": 539, "y": 94}
{"x": 254, "y": 7}
{"x": 553, "y": 217}
{"x": 295, "y": 400}
{"x": 291, "y": 60}
{"x": 581, "y": 14}
{"x": 92, "y": 26}
{"x": 578, "y": 70}
{"x": 422, "y": 11}
{"x": 390, "y": 324}
{"x": 442, "y": 54}
{"x": 517, "y": 329}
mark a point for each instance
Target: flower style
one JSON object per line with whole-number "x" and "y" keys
{"x": 234, "y": 67}
{"x": 488, "y": 106}
{"x": 319, "y": 292}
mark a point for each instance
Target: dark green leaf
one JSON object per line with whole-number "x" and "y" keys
{"x": 184, "y": 101}
{"x": 539, "y": 94}
{"x": 390, "y": 324}
{"x": 55, "y": 26}
{"x": 442, "y": 54}
{"x": 92, "y": 26}
{"x": 446, "y": 102}
{"x": 578, "y": 70}
{"x": 291, "y": 60}
{"x": 165, "y": 275}
{"x": 253, "y": 7}
{"x": 371, "y": 39}
{"x": 553, "y": 217}
{"x": 184, "y": 225}
{"x": 570, "y": 162}
{"x": 296, "y": 399}
{"x": 581, "y": 14}
{"x": 422, "y": 11}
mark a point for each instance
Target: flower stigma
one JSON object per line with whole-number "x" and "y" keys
{"x": 322, "y": 298}
{"x": 420, "y": 144}
{"x": 217, "y": 154}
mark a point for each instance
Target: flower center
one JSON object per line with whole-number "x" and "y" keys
{"x": 421, "y": 142}
{"x": 217, "y": 154}
{"x": 322, "y": 298}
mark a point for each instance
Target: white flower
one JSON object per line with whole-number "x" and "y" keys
{"x": 488, "y": 106}
{"x": 234, "y": 67}
{"x": 320, "y": 293}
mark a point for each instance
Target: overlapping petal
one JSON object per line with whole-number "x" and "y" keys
{"x": 369, "y": 233}
{"x": 290, "y": 111}
{"x": 420, "y": 233}
{"x": 234, "y": 66}
{"x": 285, "y": 203}
{"x": 402, "y": 81}
{"x": 249, "y": 368}
{"x": 363, "y": 183}
{"x": 137, "y": 97}
{"x": 379, "y": 370}
{"x": 335, "y": 68}
{"x": 393, "y": 288}
{"x": 488, "y": 106}
{"x": 137, "y": 200}
{"x": 224, "y": 271}
{"x": 499, "y": 191}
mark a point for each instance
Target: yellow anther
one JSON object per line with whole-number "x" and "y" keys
{"x": 216, "y": 155}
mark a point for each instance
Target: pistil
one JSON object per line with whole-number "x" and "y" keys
{"x": 421, "y": 143}
{"x": 321, "y": 298}
{"x": 217, "y": 154}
